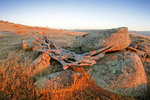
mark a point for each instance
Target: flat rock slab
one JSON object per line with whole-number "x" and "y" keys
{"x": 56, "y": 80}
{"x": 117, "y": 38}
{"x": 7, "y": 34}
{"x": 121, "y": 72}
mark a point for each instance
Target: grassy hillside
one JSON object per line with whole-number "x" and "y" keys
{"x": 16, "y": 77}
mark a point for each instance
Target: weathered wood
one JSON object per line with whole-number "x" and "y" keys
{"x": 67, "y": 58}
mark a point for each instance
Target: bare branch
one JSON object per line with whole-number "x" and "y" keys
{"x": 67, "y": 58}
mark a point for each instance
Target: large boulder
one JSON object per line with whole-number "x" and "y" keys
{"x": 56, "y": 80}
{"x": 117, "y": 38}
{"x": 121, "y": 73}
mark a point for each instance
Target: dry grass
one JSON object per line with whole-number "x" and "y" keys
{"x": 17, "y": 83}
{"x": 15, "y": 80}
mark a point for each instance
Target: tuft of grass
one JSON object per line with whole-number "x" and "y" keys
{"x": 16, "y": 80}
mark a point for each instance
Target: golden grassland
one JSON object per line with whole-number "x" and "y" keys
{"x": 16, "y": 78}
{"x": 17, "y": 83}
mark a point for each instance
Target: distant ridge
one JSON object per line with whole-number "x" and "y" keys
{"x": 31, "y": 30}
{"x": 142, "y": 32}
{"x": 100, "y": 30}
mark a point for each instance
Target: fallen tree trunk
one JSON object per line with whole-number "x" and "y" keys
{"x": 67, "y": 58}
{"x": 77, "y": 62}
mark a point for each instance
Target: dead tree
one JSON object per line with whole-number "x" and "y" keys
{"x": 75, "y": 61}
{"x": 67, "y": 58}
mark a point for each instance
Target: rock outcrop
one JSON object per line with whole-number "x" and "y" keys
{"x": 140, "y": 45}
{"x": 121, "y": 72}
{"x": 7, "y": 34}
{"x": 117, "y": 38}
{"x": 56, "y": 80}
{"x": 41, "y": 63}
{"x": 27, "y": 43}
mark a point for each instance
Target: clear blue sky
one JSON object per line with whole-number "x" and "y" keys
{"x": 78, "y": 14}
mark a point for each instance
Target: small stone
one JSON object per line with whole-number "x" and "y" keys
{"x": 137, "y": 41}
{"x": 27, "y": 43}
{"x": 133, "y": 45}
{"x": 141, "y": 48}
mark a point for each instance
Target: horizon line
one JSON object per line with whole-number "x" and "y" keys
{"x": 47, "y": 26}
